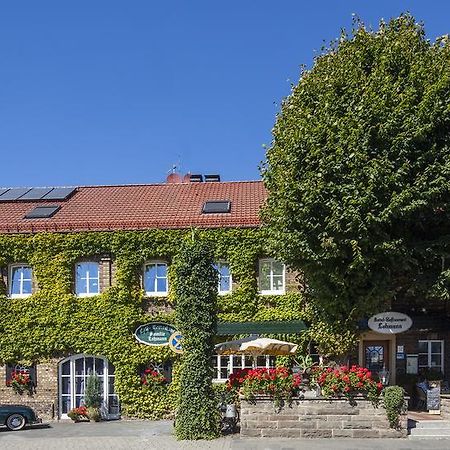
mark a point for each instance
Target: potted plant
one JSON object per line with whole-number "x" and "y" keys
{"x": 79, "y": 414}
{"x": 92, "y": 397}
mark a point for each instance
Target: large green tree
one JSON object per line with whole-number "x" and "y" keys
{"x": 359, "y": 169}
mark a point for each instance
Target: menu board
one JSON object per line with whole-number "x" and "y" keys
{"x": 434, "y": 398}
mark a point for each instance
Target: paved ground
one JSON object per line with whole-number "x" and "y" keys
{"x": 136, "y": 434}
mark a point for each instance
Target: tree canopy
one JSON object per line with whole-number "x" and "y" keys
{"x": 359, "y": 168}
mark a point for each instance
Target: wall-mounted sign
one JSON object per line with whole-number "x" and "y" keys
{"x": 175, "y": 342}
{"x": 390, "y": 322}
{"x": 412, "y": 364}
{"x": 154, "y": 333}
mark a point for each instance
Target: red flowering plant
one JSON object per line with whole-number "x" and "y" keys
{"x": 347, "y": 382}
{"x": 153, "y": 378}
{"x": 279, "y": 383}
{"x": 21, "y": 382}
{"x": 77, "y": 414}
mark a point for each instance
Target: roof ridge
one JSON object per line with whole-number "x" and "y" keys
{"x": 203, "y": 183}
{"x": 132, "y": 184}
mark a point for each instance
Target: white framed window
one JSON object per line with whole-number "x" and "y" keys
{"x": 431, "y": 355}
{"x": 155, "y": 278}
{"x": 87, "y": 274}
{"x": 271, "y": 277}
{"x": 225, "y": 281}
{"x": 20, "y": 281}
{"x": 224, "y": 365}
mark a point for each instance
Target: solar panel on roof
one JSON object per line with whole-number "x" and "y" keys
{"x": 35, "y": 193}
{"x": 217, "y": 206}
{"x": 2, "y": 191}
{"x": 13, "y": 194}
{"x": 42, "y": 212}
{"x": 59, "y": 193}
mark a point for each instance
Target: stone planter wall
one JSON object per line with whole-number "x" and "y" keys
{"x": 317, "y": 418}
{"x": 445, "y": 406}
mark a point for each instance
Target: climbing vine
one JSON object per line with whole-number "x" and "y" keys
{"x": 54, "y": 323}
{"x": 196, "y": 314}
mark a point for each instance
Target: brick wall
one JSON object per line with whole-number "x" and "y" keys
{"x": 295, "y": 281}
{"x": 316, "y": 418}
{"x": 45, "y": 400}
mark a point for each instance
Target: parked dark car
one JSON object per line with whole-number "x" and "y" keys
{"x": 15, "y": 417}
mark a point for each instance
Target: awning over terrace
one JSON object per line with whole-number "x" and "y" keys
{"x": 266, "y": 327}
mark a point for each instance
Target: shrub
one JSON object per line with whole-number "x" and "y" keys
{"x": 394, "y": 403}
{"x": 92, "y": 396}
{"x": 94, "y": 414}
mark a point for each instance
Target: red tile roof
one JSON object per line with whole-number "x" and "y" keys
{"x": 137, "y": 207}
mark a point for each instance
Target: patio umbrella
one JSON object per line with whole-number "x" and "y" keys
{"x": 254, "y": 345}
{"x": 267, "y": 346}
{"x": 233, "y": 347}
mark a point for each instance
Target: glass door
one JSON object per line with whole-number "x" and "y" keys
{"x": 73, "y": 373}
{"x": 376, "y": 356}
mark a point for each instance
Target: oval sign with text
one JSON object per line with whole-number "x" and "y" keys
{"x": 390, "y": 322}
{"x": 154, "y": 333}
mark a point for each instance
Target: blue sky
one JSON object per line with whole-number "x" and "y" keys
{"x": 115, "y": 92}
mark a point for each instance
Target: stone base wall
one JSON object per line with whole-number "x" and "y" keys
{"x": 317, "y": 418}
{"x": 445, "y": 407}
{"x": 45, "y": 400}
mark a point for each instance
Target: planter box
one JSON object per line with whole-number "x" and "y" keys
{"x": 317, "y": 418}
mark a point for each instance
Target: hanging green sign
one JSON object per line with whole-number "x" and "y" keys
{"x": 154, "y": 333}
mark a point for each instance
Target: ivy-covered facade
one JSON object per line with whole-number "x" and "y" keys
{"x": 75, "y": 286}
{"x": 64, "y": 319}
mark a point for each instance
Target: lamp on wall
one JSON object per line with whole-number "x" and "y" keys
{"x": 384, "y": 376}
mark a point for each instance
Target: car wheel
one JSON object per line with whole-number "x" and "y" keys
{"x": 15, "y": 422}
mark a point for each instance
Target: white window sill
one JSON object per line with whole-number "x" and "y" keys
{"x": 282, "y": 292}
{"x": 87, "y": 295}
{"x": 224, "y": 292}
{"x": 19, "y": 295}
{"x": 156, "y": 294}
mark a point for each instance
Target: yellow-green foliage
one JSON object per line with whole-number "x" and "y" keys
{"x": 53, "y": 322}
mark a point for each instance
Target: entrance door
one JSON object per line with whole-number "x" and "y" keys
{"x": 73, "y": 372}
{"x": 376, "y": 355}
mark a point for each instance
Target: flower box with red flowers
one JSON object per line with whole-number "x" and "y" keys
{"x": 153, "y": 378}
{"x": 346, "y": 382}
{"x": 279, "y": 383}
{"x": 21, "y": 382}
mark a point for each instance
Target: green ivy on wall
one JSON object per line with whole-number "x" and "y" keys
{"x": 54, "y": 323}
